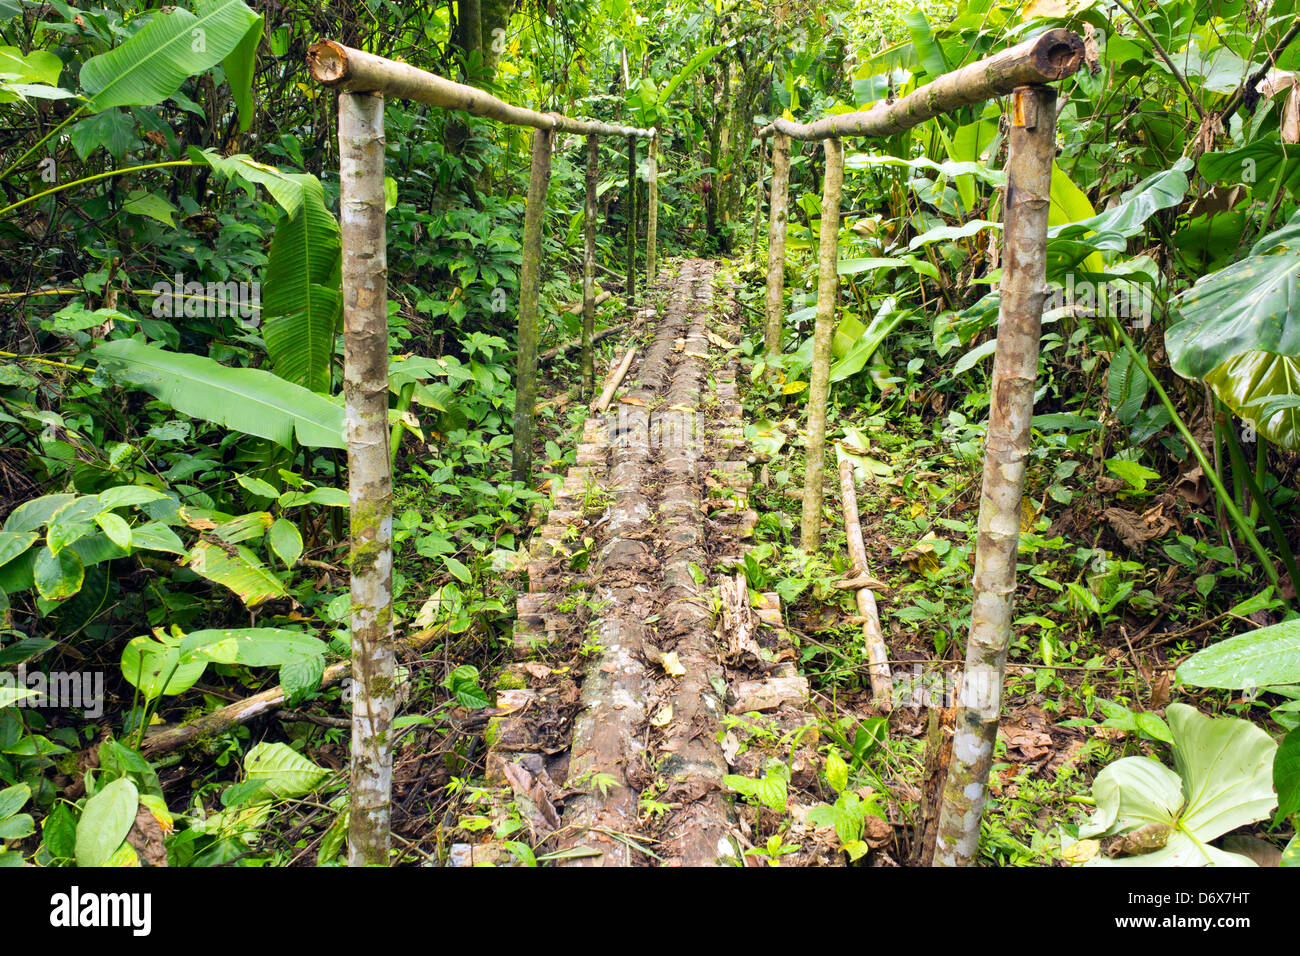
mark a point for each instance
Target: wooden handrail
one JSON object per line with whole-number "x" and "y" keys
{"x": 355, "y": 71}
{"x": 1046, "y": 58}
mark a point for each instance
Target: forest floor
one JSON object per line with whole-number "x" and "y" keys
{"x": 684, "y": 687}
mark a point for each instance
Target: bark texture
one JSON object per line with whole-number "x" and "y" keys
{"x": 539, "y": 180}
{"x": 1015, "y": 369}
{"x": 877, "y": 650}
{"x": 828, "y": 285}
{"x": 370, "y": 473}
{"x": 652, "y": 210}
{"x": 589, "y": 266}
{"x": 758, "y": 203}
{"x": 349, "y": 70}
{"x": 776, "y": 244}
{"x": 1046, "y": 58}
{"x": 631, "y": 221}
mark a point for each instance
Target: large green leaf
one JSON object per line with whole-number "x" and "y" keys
{"x": 1075, "y": 238}
{"x": 1269, "y": 655}
{"x": 239, "y": 65}
{"x": 105, "y": 822}
{"x": 928, "y": 51}
{"x": 249, "y": 400}
{"x": 1223, "y": 781}
{"x": 170, "y": 48}
{"x": 1249, "y": 306}
{"x": 237, "y": 568}
{"x": 1265, "y": 389}
{"x": 284, "y": 772}
{"x": 301, "y": 303}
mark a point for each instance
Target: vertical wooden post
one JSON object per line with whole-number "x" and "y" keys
{"x": 631, "y": 221}
{"x": 776, "y": 244}
{"x": 828, "y": 283}
{"x": 652, "y": 210}
{"x": 539, "y": 180}
{"x": 589, "y": 267}
{"x": 1015, "y": 370}
{"x": 370, "y": 471}
{"x": 758, "y": 204}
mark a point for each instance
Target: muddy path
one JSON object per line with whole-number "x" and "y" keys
{"x": 634, "y": 659}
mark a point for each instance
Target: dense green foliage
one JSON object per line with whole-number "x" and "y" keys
{"x": 171, "y": 473}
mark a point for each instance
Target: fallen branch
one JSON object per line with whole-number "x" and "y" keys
{"x": 877, "y": 651}
{"x": 242, "y": 711}
{"x": 615, "y": 380}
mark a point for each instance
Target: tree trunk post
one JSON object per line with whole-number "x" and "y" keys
{"x": 776, "y": 244}
{"x": 539, "y": 180}
{"x": 1015, "y": 370}
{"x": 589, "y": 267}
{"x": 758, "y": 204}
{"x": 652, "y": 209}
{"x": 370, "y": 472}
{"x": 819, "y": 385}
{"x": 631, "y": 221}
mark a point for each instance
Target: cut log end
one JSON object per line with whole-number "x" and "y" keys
{"x": 1059, "y": 53}
{"x": 328, "y": 62}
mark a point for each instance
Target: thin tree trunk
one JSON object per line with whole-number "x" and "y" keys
{"x": 652, "y": 211}
{"x": 370, "y": 472}
{"x": 631, "y": 221}
{"x": 539, "y": 179}
{"x": 776, "y": 244}
{"x": 758, "y": 204}
{"x": 1015, "y": 370}
{"x": 589, "y": 268}
{"x": 819, "y": 385}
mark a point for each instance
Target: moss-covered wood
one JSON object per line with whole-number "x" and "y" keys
{"x": 828, "y": 287}
{"x": 539, "y": 180}
{"x": 370, "y": 472}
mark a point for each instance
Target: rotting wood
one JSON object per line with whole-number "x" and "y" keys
{"x": 370, "y": 472}
{"x": 1015, "y": 370}
{"x": 777, "y": 206}
{"x": 529, "y": 284}
{"x": 614, "y": 382}
{"x": 828, "y": 283}
{"x": 872, "y": 637}
{"x": 940, "y": 721}
{"x": 1046, "y": 58}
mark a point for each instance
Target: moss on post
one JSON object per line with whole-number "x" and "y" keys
{"x": 589, "y": 267}
{"x": 539, "y": 181}
{"x": 819, "y": 384}
{"x": 652, "y": 210}
{"x": 776, "y": 244}
{"x": 370, "y": 475}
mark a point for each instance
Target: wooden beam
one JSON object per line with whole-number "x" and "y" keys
{"x": 348, "y": 70}
{"x": 1046, "y": 58}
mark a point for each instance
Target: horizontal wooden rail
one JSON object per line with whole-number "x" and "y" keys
{"x": 1052, "y": 56}
{"x": 355, "y": 71}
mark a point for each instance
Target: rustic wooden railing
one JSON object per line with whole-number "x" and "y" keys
{"x": 1023, "y": 71}
{"x": 363, "y": 81}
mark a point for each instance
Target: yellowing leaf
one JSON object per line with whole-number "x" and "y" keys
{"x": 1081, "y": 851}
{"x": 672, "y": 666}
{"x": 662, "y": 716}
{"x": 793, "y": 388}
